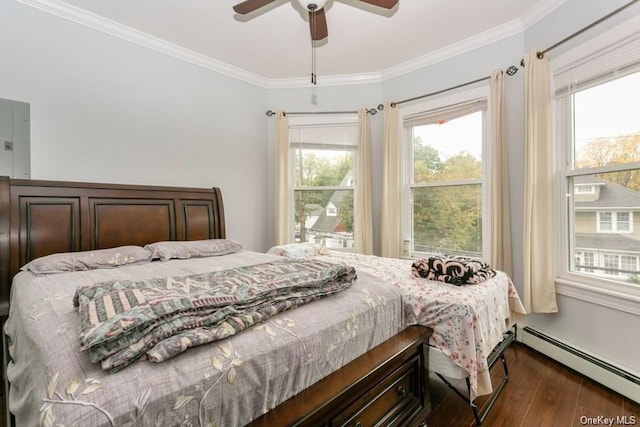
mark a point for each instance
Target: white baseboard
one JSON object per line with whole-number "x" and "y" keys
{"x": 617, "y": 379}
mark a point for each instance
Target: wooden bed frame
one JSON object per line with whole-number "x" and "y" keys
{"x": 38, "y": 218}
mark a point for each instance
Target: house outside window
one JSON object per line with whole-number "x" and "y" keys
{"x": 598, "y": 165}
{"x": 323, "y": 167}
{"x": 445, "y": 168}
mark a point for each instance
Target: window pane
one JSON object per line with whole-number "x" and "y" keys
{"x": 611, "y": 264}
{"x": 323, "y": 167}
{"x": 607, "y": 129}
{"x": 324, "y": 216}
{"x": 622, "y": 221}
{"x": 449, "y": 150}
{"x": 628, "y": 264}
{"x": 604, "y": 225}
{"x": 448, "y": 220}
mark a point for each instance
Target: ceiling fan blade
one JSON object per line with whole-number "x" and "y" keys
{"x": 387, "y": 4}
{"x": 318, "y": 25}
{"x": 249, "y": 6}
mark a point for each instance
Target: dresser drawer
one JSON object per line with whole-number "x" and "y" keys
{"x": 388, "y": 403}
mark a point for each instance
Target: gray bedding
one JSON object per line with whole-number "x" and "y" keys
{"x": 225, "y": 383}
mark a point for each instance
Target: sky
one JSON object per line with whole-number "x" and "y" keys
{"x": 608, "y": 110}
{"x": 455, "y": 136}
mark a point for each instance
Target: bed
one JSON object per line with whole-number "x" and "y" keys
{"x": 334, "y": 358}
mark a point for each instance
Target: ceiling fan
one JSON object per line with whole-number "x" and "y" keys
{"x": 317, "y": 18}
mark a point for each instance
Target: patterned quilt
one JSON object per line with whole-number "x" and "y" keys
{"x": 121, "y": 321}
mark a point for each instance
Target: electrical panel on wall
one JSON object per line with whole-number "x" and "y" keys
{"x": 15, "y": 151}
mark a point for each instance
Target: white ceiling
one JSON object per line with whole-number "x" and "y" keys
{"x": 274, "y": 42}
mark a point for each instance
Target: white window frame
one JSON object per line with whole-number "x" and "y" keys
{"x": 406, "y": 214}
{"x": 321, "y": 120}
{"x": 617, "y": 295}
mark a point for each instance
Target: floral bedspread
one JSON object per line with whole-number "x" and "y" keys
{"x": 468, "y": 321}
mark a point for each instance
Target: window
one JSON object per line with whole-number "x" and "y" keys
{"x": 445, "y": 176}
{"x": 629, "y": 265}
{"x": 611, "y": 264}
{"x": 585, "y": 189}
{"x": 584, "y": 260}
{"x": 598, "y": 137}
{"x": 614, "y": 222}
{"x": 323, "y": 165}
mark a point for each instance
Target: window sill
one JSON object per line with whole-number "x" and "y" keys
{"x": 616, "y": 296}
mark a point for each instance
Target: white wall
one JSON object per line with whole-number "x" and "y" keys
{"x": 106, "y": 110}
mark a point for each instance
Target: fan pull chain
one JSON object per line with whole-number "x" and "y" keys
{"x": 313, "y": 8}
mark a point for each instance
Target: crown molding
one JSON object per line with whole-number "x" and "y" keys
{"x": 99, "y": 23}
{"x": 479, "y": 40}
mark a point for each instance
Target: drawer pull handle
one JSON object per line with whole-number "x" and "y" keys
{"x": 402, "y": 391}
{"x": 358, "y": 424}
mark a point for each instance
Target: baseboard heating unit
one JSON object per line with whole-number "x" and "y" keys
{"x": 617, "y": 379}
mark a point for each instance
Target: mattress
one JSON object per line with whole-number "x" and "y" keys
{"x": 468, "y": 321}
{"x": 229, "y": 382}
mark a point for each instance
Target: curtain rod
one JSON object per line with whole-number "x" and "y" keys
{"x": 541, "y": 54}
{"x": 510, "y": 71}
{"x": 371, "y": 111}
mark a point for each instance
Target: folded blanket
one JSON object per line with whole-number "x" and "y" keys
{"x": 456, "y": 270}
{"x": 121, "y": 321}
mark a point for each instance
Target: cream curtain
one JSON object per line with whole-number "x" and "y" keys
{"x": 390, "y": 220}
{"x": 539, "y": 287}
{"x": 500, "y": 227}
{"x": 282, "y": 178}
{"x": 363, "y": 223}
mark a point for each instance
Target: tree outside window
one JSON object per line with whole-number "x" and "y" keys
{"x": 446, "y": 186}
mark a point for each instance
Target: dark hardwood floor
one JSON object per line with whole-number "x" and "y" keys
{"x": 540, "y": 393}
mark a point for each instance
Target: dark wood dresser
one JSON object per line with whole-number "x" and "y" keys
{"x": 388, "y": 386}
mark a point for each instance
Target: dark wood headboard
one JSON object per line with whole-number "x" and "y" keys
{"x": 38, "y": 218}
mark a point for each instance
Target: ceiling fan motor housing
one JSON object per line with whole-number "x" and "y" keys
{"x": 312, "y": 4}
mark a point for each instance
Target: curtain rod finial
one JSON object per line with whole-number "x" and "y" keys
{"x": 270, "y": 113}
